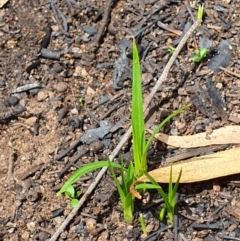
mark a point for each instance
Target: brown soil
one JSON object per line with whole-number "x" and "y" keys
{"x": 40, "y": 124}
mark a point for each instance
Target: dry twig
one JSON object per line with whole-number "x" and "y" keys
{"x": 10, "y": 168}
{"x": 95, "y": 42}
{"x": 162, "y": 78}
{"x": 229, "y": 72}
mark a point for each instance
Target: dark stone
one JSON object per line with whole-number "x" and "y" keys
{"x": 2, "y": 83}
{"x": 12, "y": 101}
{"x": 57, "y": 68}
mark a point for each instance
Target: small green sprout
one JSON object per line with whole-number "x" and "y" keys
{"x": 200, "y": 12}
{"x": 171, "y": 49}
{"x": 143, "y": 224}
{"x": 199, "y": 55}
{"x": 81, "y": 101}
{"x": 73, "y": 195}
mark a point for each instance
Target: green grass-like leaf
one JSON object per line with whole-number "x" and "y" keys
{"x": 84, "y": 170}
{"x": 200, "y": 12}
{"x": 143, "y": 224}
{"x": 138, "y": 127}
{"x": 126, "y": 197}
{"x": 160, "y": 126}
{"x": 169, "y": 199}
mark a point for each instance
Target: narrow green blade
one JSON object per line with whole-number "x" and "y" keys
{"x": 138, "y": 131}
{"x": 84, "y": 170}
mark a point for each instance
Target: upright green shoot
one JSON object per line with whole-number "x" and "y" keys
{"x": 138, "y": 126}
{"x": 200, "y": 12}
{"x": 127, "y": 200}
{"x": 142, "y": 223}
{"x": 169, "y": 199}
{"x": 199, "y": 55}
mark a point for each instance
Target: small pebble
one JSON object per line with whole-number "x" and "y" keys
{"x": 63, "y": 235}
{"x": 80, "y": 228}
{"x": 2, "y": 83}
{"x": 75, "y": 122}
{"x": 57, "y": 68}
{"x": 219, "y": 86}
{"x": 31, "y": 226}
{"x": 12, "y": 100}
{"x": 43, "y": 236}
{"x": 61, "y": 87}
{"x": 42, "y": 95}
{"x": 96, "y": 146}
{"x": 31, "y": 120}
{"x": 91, "y": 225}
{"x": 74, "y": 111}
{"x": 25, "y": 236}
{"x": 149, "y": 228}
{"x": 57, "y": 212}
{"x": 216, "y": 187}
{"x": 76, "y": 50}
{"x": 143, "y": 236}
{"x": 199, "y": 128}
{"x": 91, "y": 30}
{"x": 32, "y": 195}
{"x": 232, "y": 227}
{"x": 146, "y": 78}
{"x": 77, "y": 71}
{"x": 202, "y": 233}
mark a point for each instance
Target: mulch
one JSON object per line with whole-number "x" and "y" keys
{"x": 65, "y": 96}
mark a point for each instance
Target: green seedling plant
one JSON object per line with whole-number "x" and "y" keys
{"x": 171, "y": 49}
{"x": 199, "y": 55}
{"x": 127, "y": 199}
{"x": 200, "y": 12}
{"x": 138, "y": 166}
{"x": 81, "y": 101}
{"x": 73, "y": 195}
{"x": 169, "y": 199}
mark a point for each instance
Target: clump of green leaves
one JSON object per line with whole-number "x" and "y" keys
{"x": 169, "y": 199}
{"x": 199, "y": 55}
{"x": 171, "y": 49}
{"x": 73, "y": 195}
{"x": 138, "y": 166}
{"x": 127, "y": 178}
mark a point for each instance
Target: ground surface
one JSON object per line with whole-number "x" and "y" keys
{"x": 38, "y": 124}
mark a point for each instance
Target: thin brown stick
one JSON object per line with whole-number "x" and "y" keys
{"x": 165, "y": 72}
{"x": 229, "y": 72}
{"x": 32, "y": 170}
{"x": 95, "y": 42}
{"x": 126, "y": 136}
{"x": 10, "y": 168}
{"x": 165, "y": 27}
